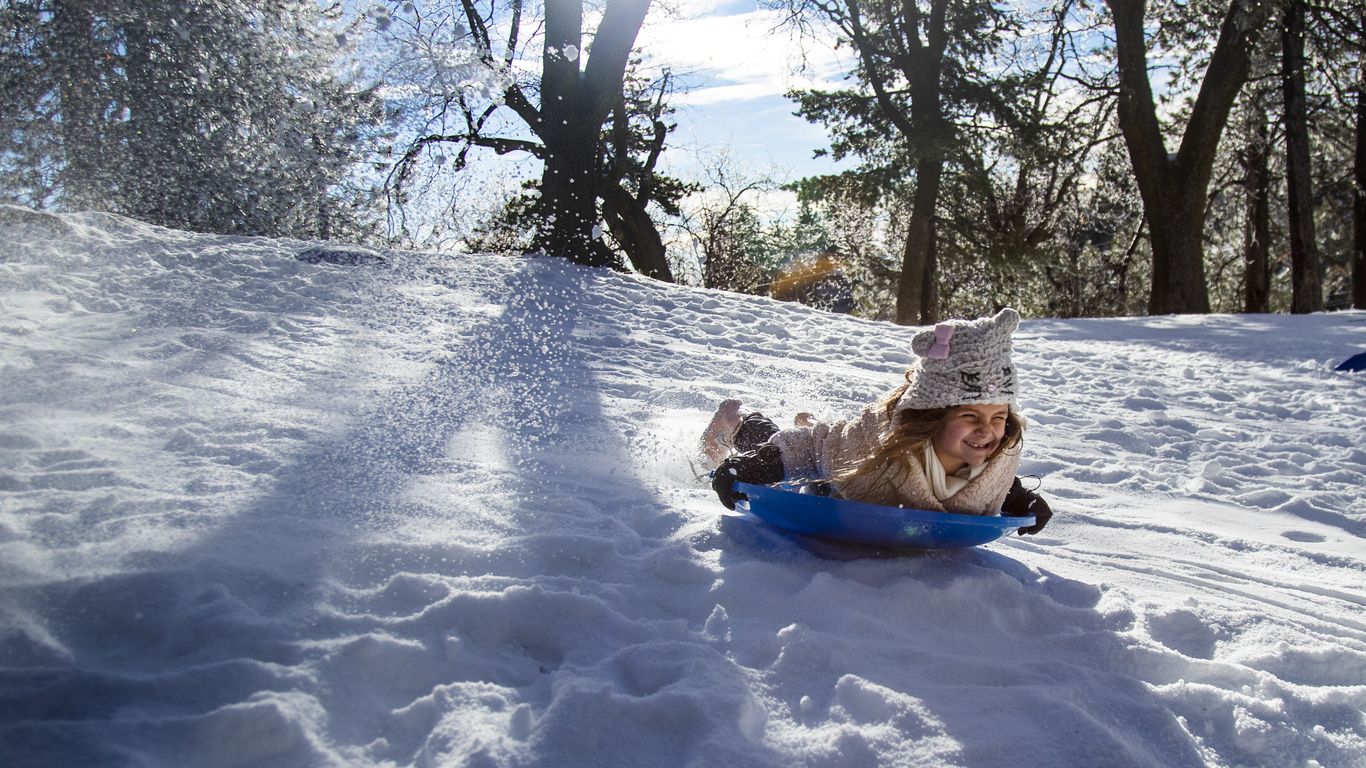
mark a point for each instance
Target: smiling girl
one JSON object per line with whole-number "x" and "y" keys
{"x": 948, "y": 439}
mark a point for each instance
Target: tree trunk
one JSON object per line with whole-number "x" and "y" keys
{"x": 574, "y": 105}
{"x": 928, "y": 135}
{"x": 1174, "y": 187}
{"x": 568, "y": 203}
{"x": 1257, "y": 224}
{"x": 1359, "y": 200}
{"x": 625, "y": 213}
{"x": 79, "y": 86}
{"x": 1306, "y": 284}
{"x": 1176, "y": 230}
{"x": 632, "y": 226}
{"x": 930, "y": 291}
{"x": 917, "y": 278}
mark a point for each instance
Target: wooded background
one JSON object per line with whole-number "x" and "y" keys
{"x": 1069, "y": 159}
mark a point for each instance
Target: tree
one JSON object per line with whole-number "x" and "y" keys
{"x": 1336, "y": 34}
{"x": 575, "y": 102}
{"x": 1256, "y": 181}
{"x": 150, "y": 109}
{"x": 82, "y": 86}
{"x": 1307, "y": 290}
{"x": 959, "y": 108}
{"x": 914, "y": 62}
{"x": 1175, "y": 187}
{"x": 1018, "y": 210}
{"x": 1098, "y": 260}
{"x": 725, "y": 230}
{"x": 1336, "y": 38}
{"x": 583, "y": 115}
{"x": 635, "y": 140}
{"x": 1359, "y": 196}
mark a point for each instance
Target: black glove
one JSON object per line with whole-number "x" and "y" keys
{"x": 1022, "y": 503}
{"x": 761, "y": 466}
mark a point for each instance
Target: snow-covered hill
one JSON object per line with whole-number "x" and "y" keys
{"x": 439, "y": 511}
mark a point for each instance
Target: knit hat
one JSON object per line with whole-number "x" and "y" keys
{"x": 963, "y": 362}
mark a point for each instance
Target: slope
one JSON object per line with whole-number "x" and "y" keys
{"x": 440, "y": 511}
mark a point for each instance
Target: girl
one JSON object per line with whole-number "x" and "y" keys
{"x": 948, "y": 439}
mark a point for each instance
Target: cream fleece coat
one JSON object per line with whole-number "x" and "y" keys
{"x": 818, "y": 452}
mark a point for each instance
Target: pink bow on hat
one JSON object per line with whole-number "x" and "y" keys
{"x": 940, "y": 349}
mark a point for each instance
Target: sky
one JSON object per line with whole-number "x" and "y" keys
{"x": 270, "y": 504}
{"x": 738, "y": 60}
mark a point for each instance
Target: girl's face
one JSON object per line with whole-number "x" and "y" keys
{"x": 969, "y": 435}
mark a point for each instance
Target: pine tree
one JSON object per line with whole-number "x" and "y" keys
{"x": 210, "y": 115}
{"x": 954, "y": 110}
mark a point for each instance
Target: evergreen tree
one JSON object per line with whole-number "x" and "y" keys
{"x": 210, "y": 115}
{"x": 1335, "y": 47}
{"x": 1256, "y": 183}
{"x": 916, "y": 73}
{"x": 959, "y": 108}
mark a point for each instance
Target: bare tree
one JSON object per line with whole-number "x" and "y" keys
{"x": 195, "y": 115}
{"x": 725, "y": 229}
{"x": 585, "y": 125}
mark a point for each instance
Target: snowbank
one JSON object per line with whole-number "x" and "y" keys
{"x": 439, "y": 511}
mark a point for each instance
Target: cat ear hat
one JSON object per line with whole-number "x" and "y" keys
{"x": 963, "y": 362}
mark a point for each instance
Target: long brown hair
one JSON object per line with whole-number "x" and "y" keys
{"x": 911, "y": 429}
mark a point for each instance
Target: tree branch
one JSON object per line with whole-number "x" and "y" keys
{"x": 1137, "y": 112}
{"x": 612, "y": 45}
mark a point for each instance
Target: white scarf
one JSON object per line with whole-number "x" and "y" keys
{"x": 942, "y": 484}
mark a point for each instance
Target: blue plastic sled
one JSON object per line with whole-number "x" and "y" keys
{"x": 1356, "y": 362}
{"x": 859, "y": 522}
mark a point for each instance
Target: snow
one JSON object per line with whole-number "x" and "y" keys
{"x": 439, "y": 511}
